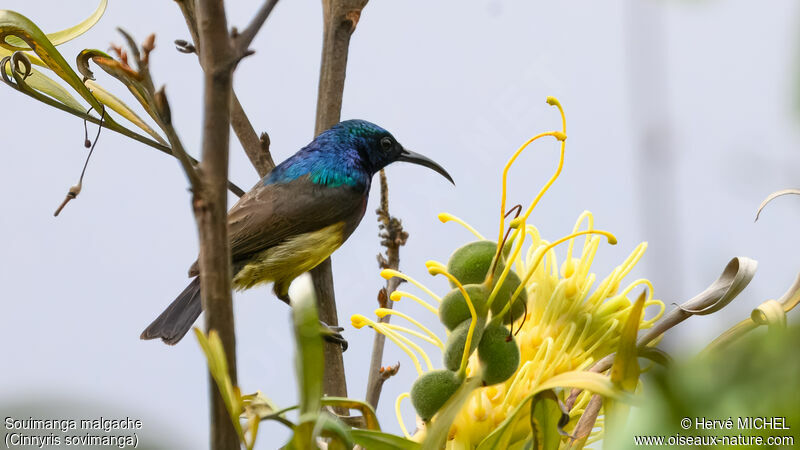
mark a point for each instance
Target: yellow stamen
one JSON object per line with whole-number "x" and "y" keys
{"x": 447, "y": 217}
{"x": 643, "y": 281}
{"x": 502, "y": 278}
{"x": 437, "y": 342}
{"x": 397, "y": 295}
{"x": 390, "y": 273}
{"x": 629, "y": 263}
{"x": 397, "y": 402}
{"x": 561, "y": 136}
{"x": 388, "y": 331}
{"x": 358, "y": 319}
{"x": 437, "y": 268}
{"x": 589, "y": 225}
{"x": 383, "y": 312}
{"x": 649, "y": 322}
{"x": 611, "y": 240}
{"x": 599, "y": 340}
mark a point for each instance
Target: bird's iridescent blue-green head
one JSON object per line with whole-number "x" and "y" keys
{"x": 376, "y": 147}
{"x": 349, "y": 153}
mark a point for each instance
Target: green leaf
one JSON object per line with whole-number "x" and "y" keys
{"x": 590, "y": 381}
{"x": 218, "y": 367}
{"x": 310, "y": 358}
{"x": 121, "y": 72}
{"x": 370, "y": 419}
{"x": 60, "y": 37}
{"x": 440, "y": 426}
{"x": 122, "y": 109}
{"x": 44, "y": 84}
{"x": 331, "y": 427}
{"x": 656, "y": 355}
{"x": 15, "y": 24}
{"x": 625, "y": 370}
{"x": 376, "y": 440}
{"x": 548, "y": 418}
{"x": 309, "y": 361}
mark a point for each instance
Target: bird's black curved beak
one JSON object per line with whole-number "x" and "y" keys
{"x": 416, "y": 158}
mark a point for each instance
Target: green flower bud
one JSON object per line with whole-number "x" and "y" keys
{"x": 503, "y": 296}
{"x": 498, "y": 354}
{"x": 454, "y": 309}
{"x": 454, "y": 348}
{"x": 470, "y": 263}
{"x": 432, "y": 390}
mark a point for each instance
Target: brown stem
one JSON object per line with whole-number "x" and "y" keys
{"x": 586, "y": 423}
{"x": 210, "y": 203}
{"x": 392, "y": 238}
{"x": 246, "y": 36}
{"x": 339, "y": 21}
{"x": 259, "y": 156}
{"x": 340, "y": 18}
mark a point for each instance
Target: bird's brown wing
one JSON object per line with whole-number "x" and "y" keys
{"x": 267, "y": 215}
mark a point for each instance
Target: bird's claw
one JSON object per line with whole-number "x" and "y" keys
{"x": 333, "y": 335}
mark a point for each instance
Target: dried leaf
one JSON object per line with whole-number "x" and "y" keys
{"x": 773, "y": 196}
{"x": 787, "y": 302}
{"x": 734, "y": 279}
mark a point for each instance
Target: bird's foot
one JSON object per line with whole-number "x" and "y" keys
{"x": 333, "y": 335}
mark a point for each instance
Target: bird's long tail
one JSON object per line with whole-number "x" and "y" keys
{"x": 179, "y": 316}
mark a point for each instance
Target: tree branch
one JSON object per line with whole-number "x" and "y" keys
{"x": 163, "y": 110}
{"x": 210, "y": 203}
{"x": 243, "y": 39}
{"x": 392, "y": 238}
{"x": 258, "y": 154}
{"x": 340, "y": 18}
{"x": 260, "y": 158}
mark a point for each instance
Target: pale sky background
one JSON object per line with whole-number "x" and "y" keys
{"x": 461, "y": 82}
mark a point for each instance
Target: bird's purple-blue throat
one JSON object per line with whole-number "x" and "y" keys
{"x": 298, "y": 215}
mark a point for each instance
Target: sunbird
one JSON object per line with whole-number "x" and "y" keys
{"x": 296, "y": 216}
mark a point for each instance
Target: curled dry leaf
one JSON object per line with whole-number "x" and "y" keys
{"x": 734, "y": 279}
{"x": 773, "y": 196}
{"x": 771, "y": 312}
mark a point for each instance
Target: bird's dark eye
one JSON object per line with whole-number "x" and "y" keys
{"x": 387, "y": 143}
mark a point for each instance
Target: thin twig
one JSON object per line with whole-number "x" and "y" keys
{"x": 340, "y": 18}
{"x": 260, "y": 158}
{"x": 75, "y": 190}
{"x": 259, "y": 155}
{"x": 162, "y": 106}
{"x": 392, "y": 238}
{"x": 243, "y": 39}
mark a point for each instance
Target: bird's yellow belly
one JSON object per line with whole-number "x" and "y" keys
{"x": 290, "y": 259}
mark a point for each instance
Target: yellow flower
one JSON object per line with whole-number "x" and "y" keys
{"x": 571, "y": 320}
